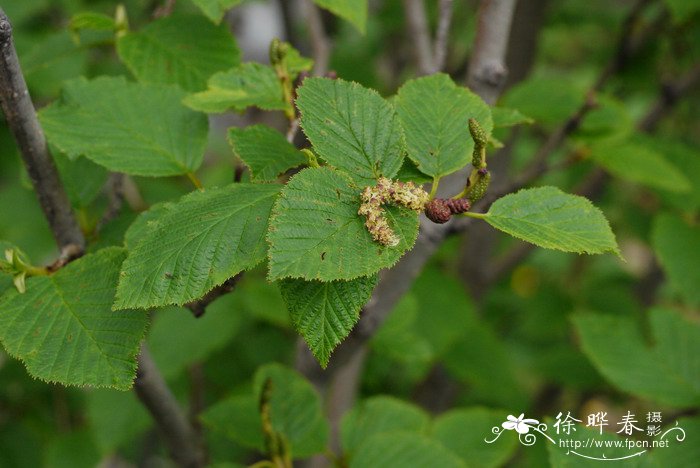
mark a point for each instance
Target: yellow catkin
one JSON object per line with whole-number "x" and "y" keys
{"x": 405, "y": 194}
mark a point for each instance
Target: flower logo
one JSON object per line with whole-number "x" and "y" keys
{"x": 520, "y": 424}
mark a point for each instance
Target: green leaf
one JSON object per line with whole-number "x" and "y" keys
{"x": 249, "y": 84}
{"x": 238, "y": 418}
{"x": 126, "y": 127}
{"x": 63, "y": 327}
{"x": 82, "y": 179}
{"x": 667, "y": 372}
{"x": 380, "y": 415}
{"x": 687, "y": 160}
{"x": 550, "y": 218}
{"x": 144, "y": 222}
{"x": 549, "y": 101}
{"x": 316, "y": 233}
{"x": 265, "y": 151}
{"x": 683, "y": 10}
{"x": 324, "y": 313}
{"x": 463, "y": 432}
{"x": 179, "y": 49}
{"x": 506, "y": 117}
{"x": 295, "y": 409}
{"x": 196, "y": 337}
{"x": 215, "y": 9}
{"x": 50, "y": 61}
{"x": 678, "y": 247}
{"x": 641, "y": 164}
{"x": 92, "y": 21}
{"x": 114, "y": 429}
{"x": 434, "y": 113}
{"x": 72, "y": 450}
{"x": 196, "y": 244}
{"x": 295, "y": 62}
{"x": 402, "y": 450}
{"x": 354, "y": 11}
{"x": 351, "y": 127}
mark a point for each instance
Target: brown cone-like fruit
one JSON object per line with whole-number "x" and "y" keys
{"x": 460, "y": 205}
{"x": 437, "y": 211}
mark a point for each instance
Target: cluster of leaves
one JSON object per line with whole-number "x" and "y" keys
{"x": 82, "y": 325}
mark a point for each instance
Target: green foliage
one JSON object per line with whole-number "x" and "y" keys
{"x": 249, "y": 84}
{"x": 114, "y": 429}
{"x": 197, "y": 243}
{"x": 82, "y": 179}
{"x": 324, "y": 313}
{"x": 683, "y": 10}
{"x": 295, "y": 409}
{"x": 667, "y": 372}
{"x": 434, "y": 113}
{"x": 215, "y": 9}
{"x": 161, "y": 53}
{"x": 635, "y": 162}
{"x": 73, "y": 450}
{"x": 91, "y": 21}
{"x": 550, "y": 218}
{"x": 265, "y": 151}
{"x": 399, "y": 450}
{"x": 506, "y": 117}
{"x": 549, "y": 101}
{"x": 196, "y": 338}
{"x": 132, "y": 128}
{"x": 677, "y": 246}
{"x": 481, "y": 328}
{"x": 352, "y": 128}
{"x": 236, "y": 417}
{"x": 63, "y": 327}
{"x": 463, "y": 431}
{"x": 354, "y": 11}
{"x": 379, "y": 415}
{"x": 316, "y": 233}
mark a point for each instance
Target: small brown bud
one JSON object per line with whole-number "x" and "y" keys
{"x": 437, "y": 211}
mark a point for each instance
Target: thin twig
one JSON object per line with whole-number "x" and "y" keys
{"x": 115, "y": 196}
{"x": 171, "y": 421}
{"x": 442, "y": 34}
{"x": 166, "y": 9}
{"x": 419, "y": 35}
{"x": 487, "y": 66}
{"x": 199, "y": 306}
{"x": 670, "y": 94}
{"x": 22, "y": 120}
{"x": 320, "y": 44}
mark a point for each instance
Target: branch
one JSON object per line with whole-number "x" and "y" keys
{"x": 320, "y": 44}
{"x": 24, "y": 125}
{"x": 419, "y": 35}
{"x": 487, "y": 67}
{"x": 670, "y": 94}
{"x": 171, "y": 421}
{"x": 442, "y": 33}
